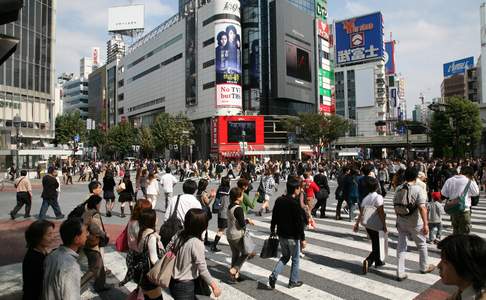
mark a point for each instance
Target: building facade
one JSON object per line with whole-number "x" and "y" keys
{"x": 97, "y": 103}
{"x": 27, "y": 77}
{"x": 75, "y": 96}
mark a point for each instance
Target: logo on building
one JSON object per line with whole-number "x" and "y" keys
{"x": 357, "y": 39}
{"x": 458, "y": 66}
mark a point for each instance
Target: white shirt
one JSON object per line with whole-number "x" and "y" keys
{"x": 186, "y": 202}
{"x": 168, "y": 180}
{"x": 374, "y": 199}
{"x": 153, "y": 187}
{"x": 454, "y": 186}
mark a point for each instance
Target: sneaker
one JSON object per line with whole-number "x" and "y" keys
{"x": 401, "y": 278}
{"x": 271, "y": 282}
{"x": 429, "y": 269}
{"x": 295, "y": 284}
{"x": 215, "y": 249}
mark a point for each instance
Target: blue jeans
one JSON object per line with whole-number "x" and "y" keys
{"x": 45, "y": 205}
{"x": 290, "y": 248}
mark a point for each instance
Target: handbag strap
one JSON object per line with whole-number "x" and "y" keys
{"x": 174, "y": 213}
{"x": 466, "y": 189}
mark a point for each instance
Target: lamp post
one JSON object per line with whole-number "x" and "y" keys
{"x": 17, "y": 121}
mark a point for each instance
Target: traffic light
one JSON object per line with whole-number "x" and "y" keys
{"x": 9, "y": 12}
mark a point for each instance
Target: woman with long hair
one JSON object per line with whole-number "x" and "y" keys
{"x": 223, "y": 194}
{"x": 190, "y": 261}
{"x": 39, "y": 237}
{"x": 152, "y": 189}
{"x": 108, "y": 191}
{"x": 205, "y": 198}
{"x": 372, "y": 200}
{"x": 126, "y": 195}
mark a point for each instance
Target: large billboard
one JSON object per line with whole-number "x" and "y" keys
{"x": 458, "y": 66}
{"x": 122, "y": 18}
{"x": 390, "y": 57}
{"x": 359, "y": 39}
{"x": 228, "y": 64}
{"x": 298, "y": 64}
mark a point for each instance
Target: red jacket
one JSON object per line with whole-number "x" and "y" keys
{"x": 311, "y": 189}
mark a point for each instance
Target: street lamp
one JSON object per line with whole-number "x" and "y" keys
{"x": 17, "y": 121}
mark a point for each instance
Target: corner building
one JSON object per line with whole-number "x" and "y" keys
{"x": 232, "y": 67}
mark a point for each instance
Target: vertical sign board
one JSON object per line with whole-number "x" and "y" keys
{"x": 390, "y": 57}
{"x": 228, "y": 46}
{"x": 359, "y": 39}
{"x": 324, "y": 69}
{"x": 458, "y": 67}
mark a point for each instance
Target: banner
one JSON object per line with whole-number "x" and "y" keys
{"x": 390, "y": 57}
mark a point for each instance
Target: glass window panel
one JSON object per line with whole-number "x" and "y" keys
{"x": 38, "y": 16}
{"x": 16, "y": 74}
{"x": 23, "y": 74}
{"x": 8, "y": 72}
{"x": 2, "y": 77}
{"x": 30, "y": 77}
{"x": 31, "y": 15}
{"x": 24, "y": 43}
{"x": 37, "y": 78}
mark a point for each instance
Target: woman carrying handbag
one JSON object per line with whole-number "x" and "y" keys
{"x": 372, "y": 217}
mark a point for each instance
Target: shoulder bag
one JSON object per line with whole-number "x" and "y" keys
{"x": 161, "y": 273}
{"x": 457, "y": 205}
{"x": 371, "y": 219}
{"x": 171, "y": 226}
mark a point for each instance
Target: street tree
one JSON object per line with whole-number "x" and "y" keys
{"x": 456, "y": 129}
{"x": 171, "y": 130}
{"x": 120, "y": 139}
{"x": 146, "y": 142}
{"x": 317, "y": 130}
{"x": 68, "y": 125}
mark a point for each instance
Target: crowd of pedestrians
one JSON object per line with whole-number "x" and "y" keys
{"x": 424, "y": 192}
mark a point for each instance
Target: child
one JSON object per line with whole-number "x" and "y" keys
{"x": 435, "y": 217}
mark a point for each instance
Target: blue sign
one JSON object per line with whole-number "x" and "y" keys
{"x": 76, "y": 138}
{"x": 458, "y": 66}
{"x": 390, "y": 57}
{"x": 359, "y": 39}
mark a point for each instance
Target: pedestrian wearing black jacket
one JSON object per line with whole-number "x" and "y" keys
{"x": 49, "y": 194}
{"x": 287, "y": 217}
{"x": 321, "y": 196}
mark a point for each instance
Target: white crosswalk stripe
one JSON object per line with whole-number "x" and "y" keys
{"x": 330, "y": 269}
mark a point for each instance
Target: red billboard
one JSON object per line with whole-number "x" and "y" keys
{"x": 228, "y": 131}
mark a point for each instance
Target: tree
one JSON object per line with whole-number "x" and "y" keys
{"x": 171, "y": 130}
{"x": 146, "y": 142}
{"x": 120, "y": 139}
{"x": 68, "y": 125}
{"x": 457, "y": 129}
{"x": 317, "y": 130}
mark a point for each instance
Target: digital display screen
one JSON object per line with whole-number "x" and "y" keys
{"x": 298, "y": 64}
{"x": 236, "y": 129}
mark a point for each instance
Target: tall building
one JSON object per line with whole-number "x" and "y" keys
{"x": 482, "y": 65}
{"x": 360, "y": 74}
{"x": 461, "y": 78}
{"x": 97, "y": 104}
{"x": 27, "y": 77}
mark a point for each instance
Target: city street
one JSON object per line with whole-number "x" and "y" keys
{"x": 330, "y": 269}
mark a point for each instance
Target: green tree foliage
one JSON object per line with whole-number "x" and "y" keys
{"x": 317, "y": 130}
{"x": 171, "y": 130}
{"x": 120, "y": 139}
{"x": 146, "y": 142}
{"x": 69, "y": 125}
{"x": 457, "y": 129}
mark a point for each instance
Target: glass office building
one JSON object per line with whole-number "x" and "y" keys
{"x": 26, "y": 78}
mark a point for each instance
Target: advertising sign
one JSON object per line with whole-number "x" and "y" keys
{"x": 227, "y": 7}
{"x": 359, "y": 39}
{"x": 228, "y": 64}
{"x": 123, "y": 18}
{"x": 321, "y": 9}
{"x": 458, "y": 66}
{"x": 95, "y": 56}
{"x": 322, "y": 29}
{"x": 390, "y": 57}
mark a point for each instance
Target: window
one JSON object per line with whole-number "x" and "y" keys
{"x": 172, "y": 59}
{"x": 208, "y": 42}
{"x": 121, "y": 111}
{"x": 121, "y": 97}
{"x": 120, "y": 83}
{"x": 208, "y": 63}
{"x": 209, "y": 85}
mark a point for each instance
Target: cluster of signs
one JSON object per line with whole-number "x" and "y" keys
{"x": 327, "y": 103}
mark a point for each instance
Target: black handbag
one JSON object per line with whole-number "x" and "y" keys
{"x": 270, "y": 247}
{"x": 171, "y": 226}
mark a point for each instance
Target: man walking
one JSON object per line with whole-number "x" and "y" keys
{"x": 62, "y": 274}
{"x": 49, "y": 194}
{"x": 321, "y": 196}
{"x": 409, "y": 205}
{"x": 24, "y": 195}
{"x": 453, "y": 188}
{"x": 288, "y": 217}
{"x": 168, "y": 182}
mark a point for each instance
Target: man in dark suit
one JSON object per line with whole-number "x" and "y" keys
{"x": 321, "y": 196}
{"x": 50, "y": 194}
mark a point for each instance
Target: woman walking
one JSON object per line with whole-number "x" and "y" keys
{"x": 190, "y": 262}
{"x": 374, "y": 202}
{"x": 152, "y": 189}
{"x": 236, "y": 232}
{"x": 205, "y": 198}
{"x": 126, "y": 194}
{"x": 108, "y": 193}
{"x": 142, "y": 182}
{"x": 223, "y": 194}
{"x": 267, "y": 186}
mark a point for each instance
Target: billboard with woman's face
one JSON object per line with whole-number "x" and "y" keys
{"x": 228, "y": 64}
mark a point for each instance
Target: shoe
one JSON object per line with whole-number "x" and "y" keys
{"x": 12, "y": 216}
{"x": 60, "y": 217}
{"x": 380, "y": 264}
{"x": 215, "y": 249}
{"x": 26, "y": 216}
{"x": 108, "y": 214}
{"x": 271, "y": 282}
{"x": 122, "y": 215}
{"x": 365, "y": 267}
{"x": 295, "y": 284}
{"x": 429, "y": 269}
{"x": 259, "y": 213}
{"x": 401, "y": 278}
{"x": 268, "y": 211}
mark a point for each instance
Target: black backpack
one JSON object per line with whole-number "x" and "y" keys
{"x": 171, "y": 226}
{"x": 78, "y": 211}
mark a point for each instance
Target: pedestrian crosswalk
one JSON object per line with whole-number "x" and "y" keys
{"x": 331, "y": 267}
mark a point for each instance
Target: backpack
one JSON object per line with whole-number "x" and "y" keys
{"x": 402, "y": 203}
{"x": 171, "y": 226}
{"x": 221, "y": 203}
{"x": 78, "y": 211}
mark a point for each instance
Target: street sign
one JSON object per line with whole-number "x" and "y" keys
{"x": 76, "y": 138}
